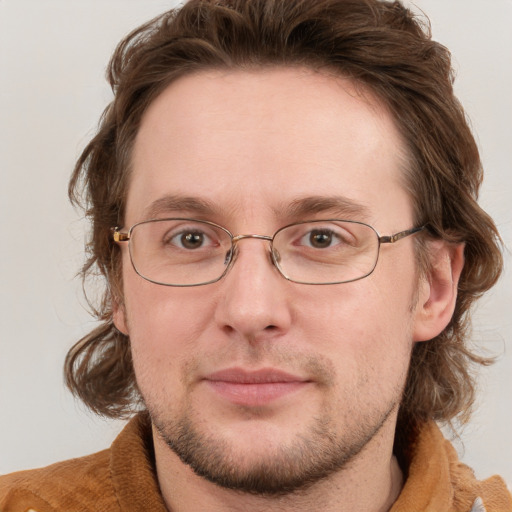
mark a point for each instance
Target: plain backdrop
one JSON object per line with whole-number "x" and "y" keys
{"x": 52, "y": 92}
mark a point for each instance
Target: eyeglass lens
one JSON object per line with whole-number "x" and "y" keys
{"x": 185, "y": 252}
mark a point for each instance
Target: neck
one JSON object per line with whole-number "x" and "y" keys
{"x": 371, "y": 482}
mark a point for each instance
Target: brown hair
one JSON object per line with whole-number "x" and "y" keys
{"x": 378, "y": 44}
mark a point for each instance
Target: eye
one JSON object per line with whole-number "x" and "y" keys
{"x": 321, "y": 238}
{"x": 189, "y": 239}
{"x": 192, "y": 240}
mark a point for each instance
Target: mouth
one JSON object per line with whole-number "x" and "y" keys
{"x": 254, "y": 388}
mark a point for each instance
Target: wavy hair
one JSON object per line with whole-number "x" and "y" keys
{"x": 380, "y": 45}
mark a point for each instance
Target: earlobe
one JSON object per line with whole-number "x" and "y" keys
{"x": 119, "y": 316}
{"x": 438, "y": 290}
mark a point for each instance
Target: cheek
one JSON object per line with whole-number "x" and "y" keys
{"x": 164, "y": 327}
{"x": 164, "y": 323}
{"x": 364, "y": 324}
{"x": 361, "y": 311}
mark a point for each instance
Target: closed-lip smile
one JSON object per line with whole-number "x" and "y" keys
{"x": 254, "y": 387}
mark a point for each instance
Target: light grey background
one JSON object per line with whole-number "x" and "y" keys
{"x": 52, "y": 91}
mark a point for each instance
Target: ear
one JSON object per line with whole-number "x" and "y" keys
{"x": 438, "y": 290}
{"x": 119, "y": 316}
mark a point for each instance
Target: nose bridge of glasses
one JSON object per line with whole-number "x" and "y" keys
{"x": 237, "y": 238}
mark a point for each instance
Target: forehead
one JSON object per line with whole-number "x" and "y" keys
{"x": 255, "y": 142}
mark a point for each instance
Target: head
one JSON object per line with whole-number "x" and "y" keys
{"x": 381, "y": 60}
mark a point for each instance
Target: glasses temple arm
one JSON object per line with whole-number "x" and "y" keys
{"x": 119, "y": 236}
{"x": 390, "y": 239}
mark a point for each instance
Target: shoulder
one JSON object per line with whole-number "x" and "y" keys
{"x": 438, "y": 480}
{"x": 120, "y": 478}
{"x": 82, "y": 484}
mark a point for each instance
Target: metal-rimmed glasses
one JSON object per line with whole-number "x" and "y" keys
{"x": 191, "y": 252}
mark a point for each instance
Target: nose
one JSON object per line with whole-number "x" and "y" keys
{"x": 255, "y": 302}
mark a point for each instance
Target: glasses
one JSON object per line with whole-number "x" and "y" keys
{"x": 190, "y": 252}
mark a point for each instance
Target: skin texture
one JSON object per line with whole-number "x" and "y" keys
{"x": 251, "y": 144}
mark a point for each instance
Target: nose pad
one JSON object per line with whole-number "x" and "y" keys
{"x": 232, "y": 254}
{"x": 228, "y": 257}
{"x": 275, "y": 256}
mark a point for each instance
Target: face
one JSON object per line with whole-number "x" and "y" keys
{"x": 256, "y": 382}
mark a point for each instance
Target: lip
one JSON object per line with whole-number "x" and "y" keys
{"x": 254, "y": 388}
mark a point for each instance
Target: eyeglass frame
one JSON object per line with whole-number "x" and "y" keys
{"x": 125, "y": 236}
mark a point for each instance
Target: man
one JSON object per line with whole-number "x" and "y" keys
{"x": 283, "y": 205}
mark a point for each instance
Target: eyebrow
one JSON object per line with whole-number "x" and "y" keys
{"x": 175, "y": 203}
{"x": 299, "y": 208}
{"x": 334, "y": 205}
